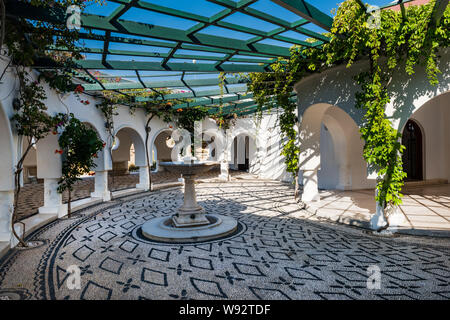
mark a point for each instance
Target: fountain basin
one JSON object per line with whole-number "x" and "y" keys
{"x": 161, "y": 229}
{"x": 188, "y": 167}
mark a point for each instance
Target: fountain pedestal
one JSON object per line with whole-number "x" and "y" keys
{"x": 190, "y": 213}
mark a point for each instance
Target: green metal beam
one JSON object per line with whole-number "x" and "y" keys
{"x": 254, "y": 110}
{"x": 198, "y": 94}
{"x": 148, "y": 54}
{"x": 161, "y": 84}
{"x": 308, "y": 12}
{"x": 213, "y": 100}
{"x": 146, "y": 30}
{"x": 215, "y": 20}
{"x": 156, "y": 66}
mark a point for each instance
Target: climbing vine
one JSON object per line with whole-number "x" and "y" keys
{"x": 407, "y": 38}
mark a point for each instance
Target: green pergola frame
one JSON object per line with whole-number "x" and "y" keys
{"x": 220, "y": 53}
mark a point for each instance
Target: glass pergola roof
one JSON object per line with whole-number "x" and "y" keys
{"x": 181, "y": 46}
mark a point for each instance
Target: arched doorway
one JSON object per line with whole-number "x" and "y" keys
{"x": 331, "y": 152}
{"x": 243, "y": 152}
{"x": 412, "y": 139}
{"x": 162, "y": 148}
{"x": 129, "y": 161}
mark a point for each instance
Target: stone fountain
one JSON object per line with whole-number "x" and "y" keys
{"x": 191, "y": 222}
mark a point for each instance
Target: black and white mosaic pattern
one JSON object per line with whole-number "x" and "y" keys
{"x": 278, "y": 255}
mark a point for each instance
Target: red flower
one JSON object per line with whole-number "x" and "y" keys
{"x": 79, "y": 89}
{"x": 104, "y": 144}
{"x": 86, "y": 102}
{"x": 59, "y": 151}
{"x": 55, "y": 132}
{"x": 95, "y": 155}
{"x": 170, "y": 127}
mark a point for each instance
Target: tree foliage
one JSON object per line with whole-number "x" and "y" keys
{"x": 80, "y": 146}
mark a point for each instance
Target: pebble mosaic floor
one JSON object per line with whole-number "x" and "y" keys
{"x": 278, "y": 254}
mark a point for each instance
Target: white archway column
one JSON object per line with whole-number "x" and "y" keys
{"x": 49, "y": 168}
{"x": 144, "y": 178}
{"x": 225, "y": 149}
{"x": 224, "y": 170}
{"x": 378, "y": 220}
{"x": 101, "y": 186}
{"x": 6, "y": 210}
{"x": 52, "y": 199}
{"x": 310, "y": 186}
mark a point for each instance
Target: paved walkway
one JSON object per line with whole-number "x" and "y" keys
{"x": 276, "y": 255}
{"x": 425, "y": 209}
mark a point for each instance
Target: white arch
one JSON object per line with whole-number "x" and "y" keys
{"x": 433, "y": 118}
{"x": 346, "y": 142}
{"x": 138, "y": 142}
{"x": 154, "y": 150}
{"x": 253, "y": 147}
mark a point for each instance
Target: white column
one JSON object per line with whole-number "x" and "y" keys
{"x": 144, "y": 179}
{"x": 53, "y": 199}
{"x": 101, "y": 186}
{"x": 49, "y": 168}
{"x": 378, "y": 220}
{"x": 310, "y": 186}
{"x": 6, "y": 210}
{"x": 224, "y": 167}
{"x": 223, "y": 152}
